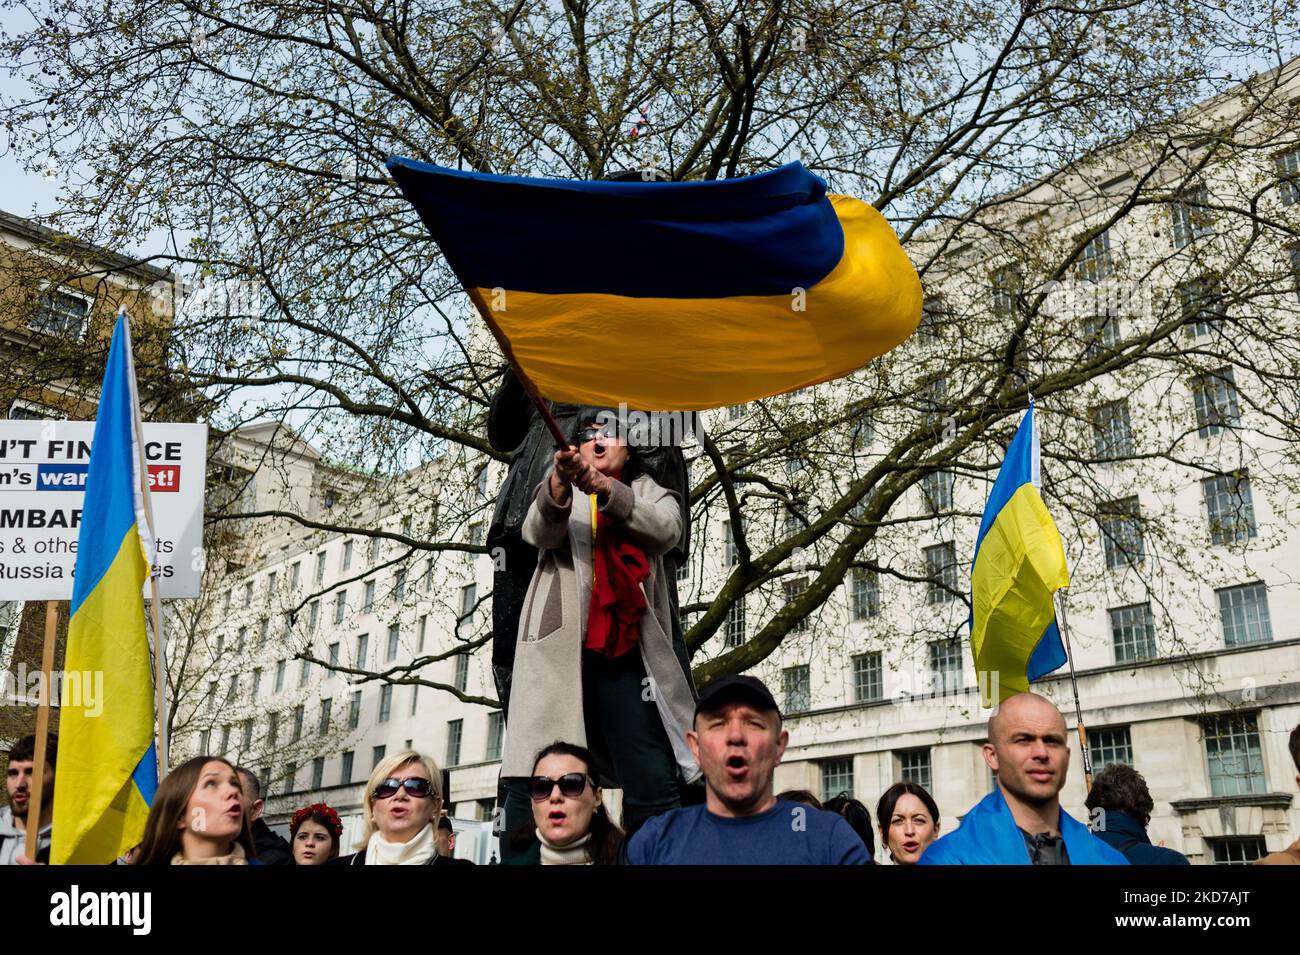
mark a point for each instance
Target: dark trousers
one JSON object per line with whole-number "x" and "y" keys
{"x": 627, "y": 739}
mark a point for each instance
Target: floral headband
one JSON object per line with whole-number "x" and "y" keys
{"x": 331, "y": 818}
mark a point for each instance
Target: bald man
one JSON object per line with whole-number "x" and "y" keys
{"x": 1021, "y": 822}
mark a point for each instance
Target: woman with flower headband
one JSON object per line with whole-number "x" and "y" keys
{"x": 402, "y": 803}
{"x": 315, "y": 832}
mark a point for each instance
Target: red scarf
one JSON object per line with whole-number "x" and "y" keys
{"x": 617, "y": 599}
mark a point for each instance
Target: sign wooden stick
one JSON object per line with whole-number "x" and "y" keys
{"x": 1074, "y": 683}
{"x": 42, "y": 732}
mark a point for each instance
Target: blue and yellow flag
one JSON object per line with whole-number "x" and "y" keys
{"x": 107, "y": 771}
{"x": 681, "y": 295}
{"x": 1019, "y": 565}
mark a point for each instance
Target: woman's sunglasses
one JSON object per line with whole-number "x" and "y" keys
{"x": 417, "y": 787}
{"x": 571, "y": 785}
{"x": 590, "y": 434}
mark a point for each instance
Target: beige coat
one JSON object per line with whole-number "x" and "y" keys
{"x": 546, "y": 700}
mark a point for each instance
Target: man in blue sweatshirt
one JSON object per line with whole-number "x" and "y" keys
{"x": 738, "y": 741}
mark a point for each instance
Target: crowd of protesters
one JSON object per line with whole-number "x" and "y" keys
{"x": 595, "y": 625}
{"x": 208, "y": 811}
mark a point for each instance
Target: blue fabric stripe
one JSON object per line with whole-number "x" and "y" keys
{"x": 108, "y": 510}
{"x": 756, "y": 235}
{"x": 145, "y": 775}
{"x": 1016, "y": 471}
{"x": 1048, "y": 655}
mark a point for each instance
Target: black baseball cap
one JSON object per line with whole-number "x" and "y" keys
{"x": 729, "y": 689}
{"x": 445, "y": 823}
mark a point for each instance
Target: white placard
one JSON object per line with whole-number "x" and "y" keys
{"x": 43, "y": 468}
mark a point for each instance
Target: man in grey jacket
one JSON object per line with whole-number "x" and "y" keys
{"x": 18, "y": 784}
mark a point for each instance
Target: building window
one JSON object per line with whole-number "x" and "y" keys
{"x": 368, "y": 600}
{"x": 481, "y": 481}
{"x": 735, "y": 412}
{"x": 304, "y": 672}
{"x": 1133, "y": 633}
{"x": 837, "y": 777}
{"x": 684, "y": 570}
{"x": 736, "y": 623}
{"x": 257, "y": 683}
{"x": 1244, "y": 611}
{"x": 1215, "y": 396}
{"x": 868, "y": 678}
{"x": 354, "y": 710}
{"x": 476, "y": 534}
{"x": 248, "y": 594}
{"x": 385, "y": 702}
{"x": 394, "y": 638}
{"x": 454, "y": 728}
{"x": 495, "y": 733}
{"x": 1095, "y": 262}
{"x": 375, "y": 545}
{"x": 376, "y": 755}
{"x": 945, "y": 665}
{"x": 1233, "y": 753}
{"x": 325, "y": 706}
{"x": 1112, "y": 431}
{"x": 363, "y": 650}
{"x": 793, "y": 588}
{"x": 295, "y": 575}
{"x": 468, "y": 600}
{"x": 345, "y": 771}
{"x": 313, "y": 615}
{"x": 1100, "y": 334}
{"x": 240, "y": 637}
{"x": 272, "y": 730}
{"x": 415, "y": 697}
{"x": 233, "y": 690}
{"x": 419, "y": 640}
{"x": 941, "y": 568}
{"x": 279, "y": 675}
{"x": 1201, "y": 305}
{"x": 866, "y": 593}
{"x": 1230, "y": 508}
{"x": 320, "y": 567}
{"x": 1121, "y": 532}
{"x": 791, "y": 524}
{"x": 1238, "y": 850}
{"x": 1110, "y": 746}
{"x": 340, "y": 605}
{"x": 461, "y": 679}
{"x": 1288, "y": 175}
{"x": 298, "y": 715}
{"x": 937, "y": 491}
{"x": 914, "y": 767}
{"x": 1007, "y": 284}
{"x": 334, "y": 654}
{"x": 263, "y": 631}
{"x": 318, "y": 772}
{"x": 345, "y": 562}
{"x": 248, "y": 738}
{"x": 399, "y": 585}
{"x": 205, "y": 740}
{"x": 732, "y": 549}
{"x": 1191, "y": 219}
{"x": 796, "y": 689}
{"x": 61, "y": 313}
{"x": 862, "y": 432}
{"x": 934, "y": 316}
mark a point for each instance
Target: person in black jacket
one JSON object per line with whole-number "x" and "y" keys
{"x": 271, "y": 849}
{"x": 1121, "y": 805}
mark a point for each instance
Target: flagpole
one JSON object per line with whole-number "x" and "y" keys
{"x": 561, "y": 443}
{"x": 1074, "y": 684}
{"x": 42, "y": 733}
{"x": 159, "y": 640}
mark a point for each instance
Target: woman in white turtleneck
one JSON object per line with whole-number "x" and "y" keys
{"x": 570, "y": 821}
{"x": 403, "y": 801}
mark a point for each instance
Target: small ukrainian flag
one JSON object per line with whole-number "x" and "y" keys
{"x": 1019, "y": 565}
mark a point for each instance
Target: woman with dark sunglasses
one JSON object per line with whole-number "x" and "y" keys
{"x": 569, "y": 821}
{"x": 402, "y": 803}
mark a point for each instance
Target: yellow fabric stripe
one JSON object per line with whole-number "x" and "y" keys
{"x": 1020, "y": 565}
{"x": 98, "y": 811}
{"x": 689, "y": 355}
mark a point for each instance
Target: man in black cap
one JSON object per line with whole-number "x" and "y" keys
{"x": 738, "y": 741}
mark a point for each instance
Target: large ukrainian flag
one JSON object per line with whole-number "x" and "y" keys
{"x": 682, "y": 295}
{"x": 107, "y": 770}
{"x": 1019, "y": 565}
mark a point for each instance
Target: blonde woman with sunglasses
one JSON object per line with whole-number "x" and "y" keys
{"x": 402, "y": 804}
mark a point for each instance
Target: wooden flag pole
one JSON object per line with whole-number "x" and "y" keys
{"x": 1074, "y": 684}
{"x": 42, "y": 732}
{"x": 547, "y": 418}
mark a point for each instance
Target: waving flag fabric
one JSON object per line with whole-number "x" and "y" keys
{"x": 107, "y": 770}
{"x": 683, "y": 295}
{"x": 1019, "y": 565}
